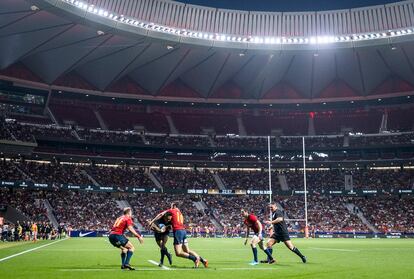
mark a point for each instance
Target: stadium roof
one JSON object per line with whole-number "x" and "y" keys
{"x": 56, "y": 46}
{"x": 287, "y": 6}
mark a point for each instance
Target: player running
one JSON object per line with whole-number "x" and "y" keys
{"x": 251, "y": 222}
{"x": 280, "y": 233}
{"x": 180, "y": 236}
{"x": 119, "y": 240}
{"x": 161, "y": 229}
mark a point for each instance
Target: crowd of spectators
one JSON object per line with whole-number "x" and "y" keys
{"x": 247, "y": 180}
{"x": 316, "y": 180}
{"x": 27, "y": 202}
{"x": 53, "y": 173}
{"x": 84, "y": 210}
{"x": 185, "y": 179}
{"x": 110, "y": 137}
{"x": 325, "y": 214}
{"x": 27, "y": 132}
{"x": 383, "y": 179}
{"x": 388, "y": 214}
{"x": 312, "y": 142}
{"x": 386, "y": 139}
{"x": 121, "y": 176}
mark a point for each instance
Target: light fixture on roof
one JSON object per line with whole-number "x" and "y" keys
{"x": 321, "y": 39}
{"x": 34, "y": 8}
{"x": 170, "y": 47}
{"x": 100, "y": 32}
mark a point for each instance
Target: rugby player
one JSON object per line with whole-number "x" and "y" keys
{"x": 180, "y": 236}
{"x": 280, "y": 233}
{"x": 251, "y": 222}
{"x": 119, "y": 240}
{"x": 161, "y": 229}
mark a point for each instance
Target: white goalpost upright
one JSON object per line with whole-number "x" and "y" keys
{"x": 305, "y": 186}
{"x": 304, "y": 182}
{"x": 270, "y": 169}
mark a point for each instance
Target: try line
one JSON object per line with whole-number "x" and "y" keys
{"x": 30, "y": 250}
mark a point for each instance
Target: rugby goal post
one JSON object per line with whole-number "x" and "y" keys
{"x": 304, "y": 183}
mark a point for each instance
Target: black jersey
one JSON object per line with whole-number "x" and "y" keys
{"x": 281, "y": 227}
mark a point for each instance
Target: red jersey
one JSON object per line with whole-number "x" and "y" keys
{"x": 177, "y": 219}
{"x": 121, "y": 225}
{"x": 252, "y": 222}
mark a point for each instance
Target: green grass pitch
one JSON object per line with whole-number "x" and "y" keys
{"x": 229, "y": 258}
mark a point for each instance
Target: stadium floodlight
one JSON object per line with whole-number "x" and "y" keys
{"x": 326, "y": 39}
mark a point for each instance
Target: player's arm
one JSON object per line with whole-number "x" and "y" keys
{"x": 159, "y": 216}
{"x": 137, "y": 235}
{"x": 259, "y": 225}
{"x": 155, "y": 228}
{"x": 277, "y": 220}
{"x": 247, "y": 235}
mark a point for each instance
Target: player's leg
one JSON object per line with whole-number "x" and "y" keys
{"x": 116, "y": 242}
{"x": 261, "y": 246}
{"x": 295, "y": 250}
{"x": 166, "y": 252}
{"x": 178, "y": 246}
{"x": 160, "y": 244}
{"x": 123, "y": 255}
{"x": 253, "y": 243}
{"x": 130, "y": 251}
{"x": 269, "y": 250}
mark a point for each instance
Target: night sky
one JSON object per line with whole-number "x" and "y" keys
{"x": 286, "y": 5}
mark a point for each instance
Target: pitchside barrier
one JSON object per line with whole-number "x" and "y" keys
{"x": 138, "y": 189}
{"x": 356, "y": 235}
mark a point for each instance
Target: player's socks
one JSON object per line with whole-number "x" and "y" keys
{"x": 297, "y": 252}
{"x": 202, "y": 260}
{"x": 128, "y": 257}
{"x": 191, "y": 257}
{"x": 123, "y": 257}
{"x": 162, "y": 251}
{"x": 169, "y": 257}
{"x": 254, "y": 249}
{"x": 269, "y": 255}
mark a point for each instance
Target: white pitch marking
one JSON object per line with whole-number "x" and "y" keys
{"x": 30, "y": 250}
{"x": 105, "y": 269}
{"x": 332, "y": 249}
{"x": 163, "y": 266}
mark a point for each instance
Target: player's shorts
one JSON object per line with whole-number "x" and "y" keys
{"x": 160, "y": 236}
{"x": 118, "y": 240}
{"x": 180, "y": 237}
{"x": 280, "y": 237}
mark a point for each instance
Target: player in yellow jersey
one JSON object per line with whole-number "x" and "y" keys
{"x": 34, "y": 231}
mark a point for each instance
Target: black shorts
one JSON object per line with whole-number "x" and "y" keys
{"x": 280, "y": 237}
{"x": 160, "y": 236}
{"x": 118, "y": 240}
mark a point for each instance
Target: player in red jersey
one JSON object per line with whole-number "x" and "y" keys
{"x": 180, "y": 236}
{"x": 118, "y": 239}
{"x": 252, "y": 223}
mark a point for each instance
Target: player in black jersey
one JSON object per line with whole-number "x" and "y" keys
{"x": 280, "y": 234}
{"x": 161, "y": 229}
